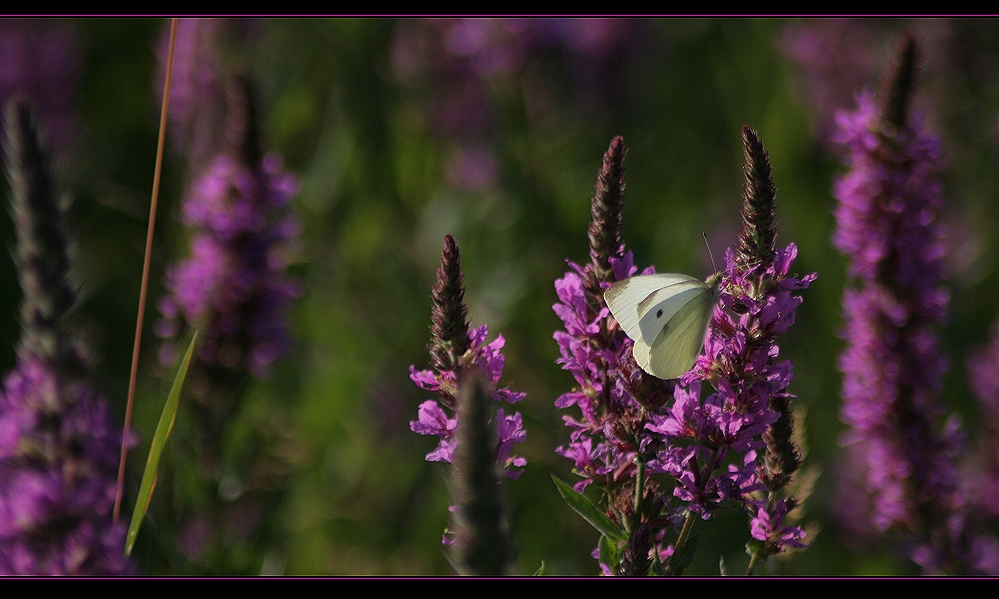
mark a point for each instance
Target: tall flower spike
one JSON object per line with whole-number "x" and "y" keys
{"x": 449, "y": 335}
{"x": 605, "y": 229}
{"x": 58, "y": 445}
{"x": 757, "y": 246}
{"x": 42, "y": 249}
{"x": 712, "y": 446}
{"x": 610, "y": 443}
{"x": 234, "y": 285}
{"x": 758, "y": 238}
{"x": 235, "y": 289}
{"x": 887, "y": 224}
{"x": 449, "y": 314}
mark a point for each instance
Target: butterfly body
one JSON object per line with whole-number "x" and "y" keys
{"x": 667, "y": 316}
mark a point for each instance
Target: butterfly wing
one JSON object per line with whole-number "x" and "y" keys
{"x": 629, "y": 300}
{"x": 681, "y": 340}
{"x": 661, "y": 313}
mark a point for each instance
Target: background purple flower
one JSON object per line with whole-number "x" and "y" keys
{"x": 234, "y": 285}
{"x": 481, "y": 62}
{"x": 40, "y": 59}
{"x": 58, "y": 465}
{"x": 888, "y": 224}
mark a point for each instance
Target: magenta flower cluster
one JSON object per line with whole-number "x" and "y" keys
{"x": 233, "y": 286}
{"x": 887, "y": 224}
{"x": 641, "y": 439}
{"x": 713, "y": 446}
{"x": 611, "y": 391}
{"x": 434, "y": 420}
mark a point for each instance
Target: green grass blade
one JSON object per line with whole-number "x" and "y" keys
{"x": 156, "y": 447}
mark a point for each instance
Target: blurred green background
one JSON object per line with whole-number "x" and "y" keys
{"x": 404, "y": 130}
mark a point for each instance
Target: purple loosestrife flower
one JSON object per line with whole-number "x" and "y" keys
{"x": 58, "y": 444}
{"x": 454, "y": 348}
{"x": 58, "y": 463}
{"x": 735, "y": 445}
{"x": 610, "y": 442}
{"x": 630, "y": 429}
{"x": 741, "y": 360}
{"x": 234, "y": 286}
{"x": 888, "y": 226}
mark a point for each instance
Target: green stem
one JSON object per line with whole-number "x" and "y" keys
{"x": 754, "y": 557}
{"x": 639, "y": 491}
{"x": 688, "y": 525}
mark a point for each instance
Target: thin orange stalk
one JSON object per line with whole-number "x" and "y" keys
{"x": 133, "y": 374}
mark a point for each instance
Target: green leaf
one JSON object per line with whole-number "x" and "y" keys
{"x": 591, "y": 513}
{"x": 156, "y": 447}
{"x": 610, "y": 553}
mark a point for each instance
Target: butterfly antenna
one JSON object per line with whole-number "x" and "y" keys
{"x": 714, "y": 267}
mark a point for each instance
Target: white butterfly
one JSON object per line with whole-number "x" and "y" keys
{"x": 667, "y": 316}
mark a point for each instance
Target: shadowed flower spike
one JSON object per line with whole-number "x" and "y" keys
{"x": 453, "y": 349}
{"x": 482, "y": 543}
{"x": 888, "y": 226}
{"x": 58, "y": 444}
{"x": 234, "y": 288}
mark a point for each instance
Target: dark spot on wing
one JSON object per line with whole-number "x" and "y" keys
{"x": 659, "y": 313}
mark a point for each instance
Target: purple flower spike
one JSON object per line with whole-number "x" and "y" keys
{"x": 233, "y": 286}
{"x": 454, "y": 348}
{"x": 888, "y": 226}
{"x": 741, "y": 361}
{"x": 59, "y": 447}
